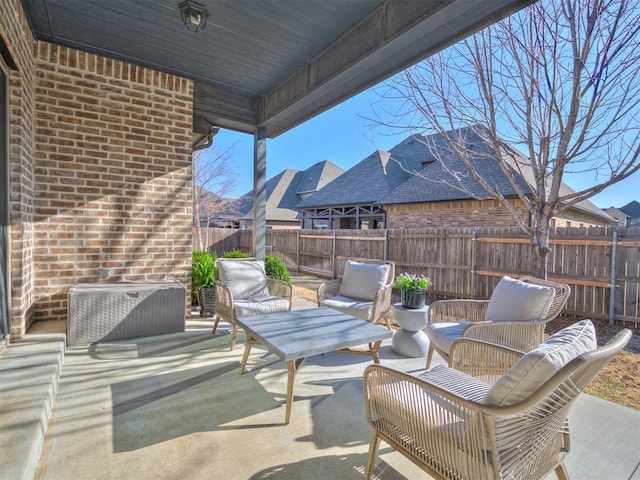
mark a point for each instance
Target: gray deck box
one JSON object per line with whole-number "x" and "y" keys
{"x": 108, "y": 311}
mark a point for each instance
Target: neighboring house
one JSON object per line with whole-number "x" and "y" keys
{"x": 632, "y": 210}
{"x": 284, "y": 192}
{"x": 409, "y": 187}
{"x": 618, "y": 215}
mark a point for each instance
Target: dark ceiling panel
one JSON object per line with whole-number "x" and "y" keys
{"x": 247, "y": 45}
{"x": 272, "y": 63}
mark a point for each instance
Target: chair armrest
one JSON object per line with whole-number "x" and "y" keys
{"x": 458, "y": 311}
{"x": 418, "y": 415}
{"x": 328, "y": 289}
{"x": 380, "y": 381}
{"x": 381, "y": 303}
{"x": 483, "y": 360}
{"x": 523, "y": 336}
{"x": 279, "y": 288}
{"x": 224, "y": 301}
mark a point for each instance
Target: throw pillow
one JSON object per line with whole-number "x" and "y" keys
{"x": 540, "y": 364}
{"x": 514, "y": 300}
{"x": 363, "y": 280}
{"x": 244, "y": 278}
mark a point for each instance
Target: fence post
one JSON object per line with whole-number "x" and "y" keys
{"x": 614, "y": 278}
{"x": 474, "y": 246}
{"x": 298, "y": 251}
{"x": 333, "y": 255}
{"x": 385, "y": 252}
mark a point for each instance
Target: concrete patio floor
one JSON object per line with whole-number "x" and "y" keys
{"x": 174, "y": 407}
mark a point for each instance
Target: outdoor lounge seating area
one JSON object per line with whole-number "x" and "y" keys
{"x": 175, "y": 406}
{"x": 106, "y": 106}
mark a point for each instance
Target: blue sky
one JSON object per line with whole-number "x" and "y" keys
{"x": 345, "y": 136}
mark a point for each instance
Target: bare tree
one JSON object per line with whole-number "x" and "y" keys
{"x": 213, "y": 179}
{"x": 558, "y": 80}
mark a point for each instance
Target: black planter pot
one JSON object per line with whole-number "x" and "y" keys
{"x": 207, "y": 301}
{"x": 413, "y": 298}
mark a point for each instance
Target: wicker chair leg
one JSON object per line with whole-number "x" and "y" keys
{"x": 429, "y": 356}
{"x": 234, "y": 333}
{"x": 561, "y": 472}
{"x": 374, "y": 445}
{"x": 215, "y": 324}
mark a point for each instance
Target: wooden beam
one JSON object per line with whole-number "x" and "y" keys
{"x": 225, "y": 108}
{"x": 392, "y": 37}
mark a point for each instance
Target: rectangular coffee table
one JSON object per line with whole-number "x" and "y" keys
{"x": 293, "y": 336}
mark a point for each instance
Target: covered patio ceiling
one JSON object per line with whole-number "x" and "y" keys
{"x": 271, "y": 63}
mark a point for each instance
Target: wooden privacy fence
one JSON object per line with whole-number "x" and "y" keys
{"x": 601, "y": 264}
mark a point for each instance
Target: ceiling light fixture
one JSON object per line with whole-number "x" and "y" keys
{"x": 194, "y": 15}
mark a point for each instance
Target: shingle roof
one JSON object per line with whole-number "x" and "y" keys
{"x": 317, "y": 176}
{"x": 282, "y": 191}
{"x": 411, "y": 173}
{"x": 632, "y": 209}
{"x": 448, "y": 178}
{"x": 365, "y": 182}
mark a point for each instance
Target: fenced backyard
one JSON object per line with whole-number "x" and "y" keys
{"x": 602, "y": 265}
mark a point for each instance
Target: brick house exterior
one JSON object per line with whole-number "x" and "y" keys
{"x": 407, "y": 187}
{"x": 464, "y": 213}
{"x": 100, "y": 171}
{"x": 473, "y": 213}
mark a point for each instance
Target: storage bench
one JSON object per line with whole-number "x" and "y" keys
{"x": 111, "y": 310}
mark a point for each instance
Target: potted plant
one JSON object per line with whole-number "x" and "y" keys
{"x": 203, "y": 281}
{"x": 413, "y": 289}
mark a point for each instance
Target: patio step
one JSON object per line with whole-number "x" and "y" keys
{"x": 29, "y": 373}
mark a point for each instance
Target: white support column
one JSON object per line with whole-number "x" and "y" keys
{"x": 260, "y": 193}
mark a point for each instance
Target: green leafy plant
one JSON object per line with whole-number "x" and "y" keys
{"x": 235, "y": 254}
{"x": 197, "y": 255}
{"x": 275, "y": 268}
{"x": 203, "y": 273}
{"x": 412, "y": 281}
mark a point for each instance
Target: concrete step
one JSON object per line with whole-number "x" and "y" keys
{"x": 29, "y": 373}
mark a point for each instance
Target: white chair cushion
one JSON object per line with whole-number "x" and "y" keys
{"x": 257, "y": 306}
{"x": 357, "y": 308}
{"x": 443, "y": 334}
{"x": 245, "y": 279}
{"x": 514, "y": 300}
{"x": 540, "y": 364}
{"x": 363, "y": 280}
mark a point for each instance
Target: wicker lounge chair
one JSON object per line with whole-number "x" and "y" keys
{"x": 471, "y": 422}
{"x": 515, "y": 316}
{"x": 244, "y": 289}
{"x": 364, "y": 291}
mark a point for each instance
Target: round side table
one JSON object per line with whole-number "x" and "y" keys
{"x": 410, "y": 341}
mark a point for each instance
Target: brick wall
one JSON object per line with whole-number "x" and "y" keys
{"x": 112, "y": 174}
{"x": 473, "y": 213}
{"x": 15, "y": 33}
{"x": 468, "y": 213}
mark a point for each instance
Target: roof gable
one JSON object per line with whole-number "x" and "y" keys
{"x": 364, "y": 183}
{"x": 282, "y": 192}
{"x": 632, "y": 209}
{"x": 281, "y": 198}
{"x": 317, "y": 176}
